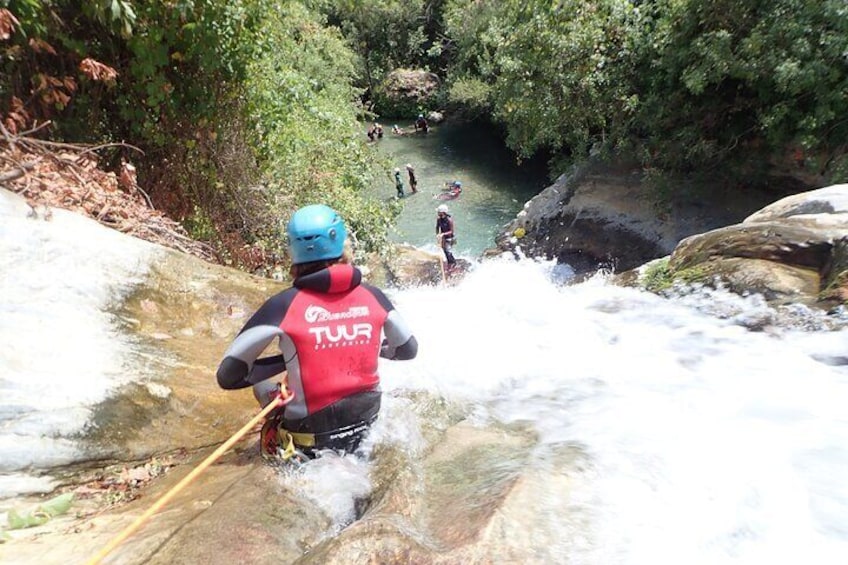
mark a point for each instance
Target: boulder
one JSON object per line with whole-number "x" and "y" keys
{"x": 410, "y": 266}
{"x": 435, "y": 117}
{"x": 606, "y": 215}
{"x": 405, "y": 92}
{"x": 794, "y": 250}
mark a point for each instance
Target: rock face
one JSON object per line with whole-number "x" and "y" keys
{"x": 793, "y": 250}
{"x": 410, "y": 266}
{"x": 605, "y": 215}
{"x": 405, "y": 92}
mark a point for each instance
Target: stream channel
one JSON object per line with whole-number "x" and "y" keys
{"x": 495, "y": 186}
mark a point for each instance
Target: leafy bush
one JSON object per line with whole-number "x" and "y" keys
{"x": 300, "y": 103}
{"x": 685, "y": 85}
{"x": 244, "y": 109}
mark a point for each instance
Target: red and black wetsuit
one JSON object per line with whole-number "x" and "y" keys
{"x": 329, "y": 325}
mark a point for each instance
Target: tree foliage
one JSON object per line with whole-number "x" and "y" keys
{"x": 388, "y": 34}
{"x": 244, "y": 108}
{"x": 305, "y": 123}
{"x": 247, "y": 108}
{"x": 723, "y": 79}
{"x": 687, "y": 84}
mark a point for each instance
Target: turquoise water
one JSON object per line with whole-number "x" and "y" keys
{"x": 495, "y": 187}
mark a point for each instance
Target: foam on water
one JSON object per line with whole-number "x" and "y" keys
{"x": 61, "y": 351}
{"x": 706, "y": 442}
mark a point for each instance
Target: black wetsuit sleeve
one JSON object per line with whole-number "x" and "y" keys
{"x": 408, "y": 350}
{"x": 240, "y": 367}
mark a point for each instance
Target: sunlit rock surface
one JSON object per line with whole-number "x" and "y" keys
{"x": 607, "y": 215}
{"x": 410, "y": 88}
{"x": 790, "y": 251}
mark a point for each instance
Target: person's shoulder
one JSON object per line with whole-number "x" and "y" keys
{"x": 274, "y": 309}
{"x": 378, "y": 293}
{"x": 282, "y": 298}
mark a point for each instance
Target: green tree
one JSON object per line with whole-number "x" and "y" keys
{"x": 300, "y": 103}
{"x": 244, "y": 108}
{"x": 387, "y": 34}
{"x": 724, "y": 79}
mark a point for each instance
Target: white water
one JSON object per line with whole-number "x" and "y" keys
{"x": 705, "y": 442}
{"x": 61, "y": 352}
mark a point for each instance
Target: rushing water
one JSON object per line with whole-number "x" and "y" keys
{"x": 62, "y": 352}
{"x": 699, "y": 440}
{"x": 704, "y": 442}
{"x": 495, "y": 188}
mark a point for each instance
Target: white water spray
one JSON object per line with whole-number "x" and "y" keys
{"x": 705, "y": 442}
{"x": 62, "y": 352}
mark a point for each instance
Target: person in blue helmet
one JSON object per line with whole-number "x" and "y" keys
{"x": 330, "y": 328}
{"x": 450, "y": 191}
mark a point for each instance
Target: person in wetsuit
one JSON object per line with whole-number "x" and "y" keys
{"x": 421, "y": 124}
{"x": 445, "y": 233}
{"x": 398, "y": 184}
{"x": 413, "y": 182}
{"x": 452, "y": 190}
{"x": 328, "y": 326}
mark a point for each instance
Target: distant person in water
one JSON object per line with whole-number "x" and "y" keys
{"x": 396, "y": 130}
{"x": 445, "y": 234}
{"x": 421, "y": 124}
{"x": 413, "y": 182}
{"x": 375, "y": 131}
{"x": 451, "y": 190}
{"x": 398, "y": 183}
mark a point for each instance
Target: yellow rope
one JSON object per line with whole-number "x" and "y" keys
{"x": 165, "y": 498}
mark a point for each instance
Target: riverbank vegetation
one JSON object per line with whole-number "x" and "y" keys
{"x": 245, "y": 109}
{"x": 682, "y": 85}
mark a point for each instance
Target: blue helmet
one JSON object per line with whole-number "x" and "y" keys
{"x": 316, "y": 233}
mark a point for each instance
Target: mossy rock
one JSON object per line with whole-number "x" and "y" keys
{"x": 405, "y": 93}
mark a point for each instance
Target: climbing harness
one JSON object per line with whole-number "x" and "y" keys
{"x": 277, "y": 445}
{"x": 278, "y": 402}
{"x": 291, "y": 454}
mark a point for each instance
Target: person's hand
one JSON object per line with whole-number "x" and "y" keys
{"x": 386, "y": 352}
{"x": 277, "y": 397}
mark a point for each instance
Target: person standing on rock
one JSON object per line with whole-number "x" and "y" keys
{"x": 328, "y": 327}
{"x": 445, "y": 234}
{"x": 413, "y": 182}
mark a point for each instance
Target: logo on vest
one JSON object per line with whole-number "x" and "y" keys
{"x": 341, "y": 335}
{"x": 319, "y": 314}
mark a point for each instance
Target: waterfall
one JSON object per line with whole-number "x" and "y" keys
{"x": 62, "y": 349}
{"x": 700, "y": 441}
{"x": 700, "y": 428}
